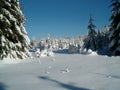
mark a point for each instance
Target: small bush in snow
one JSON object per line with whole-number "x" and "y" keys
{"x": 43, "y": 53}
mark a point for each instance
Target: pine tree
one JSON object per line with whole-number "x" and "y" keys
{"x": 99, "y": 40}
{"x": 90, "y": 41}
{"x": 103, "y": 38}
{"x": 115, "y": 28}
{"x": 14, "y": 41}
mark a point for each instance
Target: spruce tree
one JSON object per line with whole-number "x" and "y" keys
{"x": 14, "y": 41}
{"x": 90, "y": 41}
{"x": 115, "y": 28}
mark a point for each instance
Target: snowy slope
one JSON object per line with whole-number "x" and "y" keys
{"x": 62, "y": 72}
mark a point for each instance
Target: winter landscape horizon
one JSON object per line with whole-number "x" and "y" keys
{"x": 59, "y": 45}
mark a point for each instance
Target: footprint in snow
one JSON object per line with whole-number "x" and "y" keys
{"x": 109, "y": 76}
{"x": 66, "y": 70}
{"x": 47, "y": 72}
{"x": 53, "y": 60}
{"x": 39, "y": 61}
{"x": 49, "y": 67}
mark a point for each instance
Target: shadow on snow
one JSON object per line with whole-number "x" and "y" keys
{"x": 99, "y": 52}
{"x": 67, "y": 86}
{"x": 2, "y": 86}
{"x": 62, "y": 51}
{"x": 109, "y": 76}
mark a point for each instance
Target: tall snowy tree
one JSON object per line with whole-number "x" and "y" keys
{"x": 115, "y": 28}
{"x": 14, "y": 41}
{"x": 90, "y": 41}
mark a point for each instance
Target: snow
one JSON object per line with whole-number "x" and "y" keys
{"x": 73, "y": 49}
{"x": 7, "y": 61}
{"x": 26, "y": 39}
{"x": 3, "y": 40}
{"x": 23, "y": 29}
{"x": 44, "y": 53}
{"x": 37, "y": 53}
{"x": 18, "y": 29}
{"x": 9, "y": 0}
{"x": 10, "y": 31}
{"x": 18, "y": 44}
{"x": 1, "y": 16}
{"x": 67, "y": 72}
{"x": 8, "y": 13}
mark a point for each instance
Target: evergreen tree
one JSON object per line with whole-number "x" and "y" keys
{"x": 90, "y": 41}
{"x": 115, "y": 28}
{"x": 14, "y": 41}
{"x": 99, "y": 40}
{"x": 103, "y": 38}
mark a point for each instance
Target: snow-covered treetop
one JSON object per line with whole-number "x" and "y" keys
{"x": 91, "y": 26}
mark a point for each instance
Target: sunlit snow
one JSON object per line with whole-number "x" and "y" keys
{"x": 61, "y": 72}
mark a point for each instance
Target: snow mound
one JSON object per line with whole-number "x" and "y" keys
{"x": 88, "y": 52}
{"x": 10, "y": 61}
{"x": 93, "y": 53}
{"x": 44, "y": 53}
{"x": 37, "y": 53}
{"x": 66, "y": 70}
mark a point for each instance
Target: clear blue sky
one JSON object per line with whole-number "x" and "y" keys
{"x": 62, "y": 18}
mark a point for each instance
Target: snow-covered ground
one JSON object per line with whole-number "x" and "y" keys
{"x": 62, "y": 72}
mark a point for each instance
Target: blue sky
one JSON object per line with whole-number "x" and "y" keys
{"x": 62, "y": 18}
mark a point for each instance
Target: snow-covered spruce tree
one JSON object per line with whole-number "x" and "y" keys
{"x": 90, "y": 40}
{"x": 14, "y": 41}
{"x": 115, "y": 28}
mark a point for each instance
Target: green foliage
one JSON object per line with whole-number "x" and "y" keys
{"x": 2, "y": 3}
